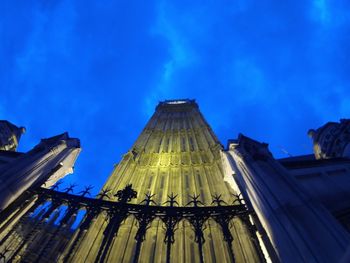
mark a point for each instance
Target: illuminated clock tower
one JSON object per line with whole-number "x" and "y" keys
{"x": 176, "y": 155}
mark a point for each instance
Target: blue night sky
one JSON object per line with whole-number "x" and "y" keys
{"x": 268, "y": 69}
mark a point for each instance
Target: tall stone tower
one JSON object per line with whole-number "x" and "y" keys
{"x": 177, "y": 154}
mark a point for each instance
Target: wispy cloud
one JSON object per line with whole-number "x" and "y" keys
{"x": 181, "y": 55}
{"x": 275, "y": 63}
{"x": 270, "y": 69}
{"x": 321, "y": 11}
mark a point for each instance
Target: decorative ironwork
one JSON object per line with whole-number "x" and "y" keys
{"x": 144, "y": 221}
{"x": 103, "y": 194}
{"x": 217, "y": 200}
{"x": 65, "y": 222}
{"x": 148, "y": 200}
{"x": 116, "y": 216}
{"x": 170, "y": 213}
{"x": 238, "y": 198}
{"x": 3, "y": 254}
{"x": 252, "y": 233}
{"x": 127, "y": 194}
{"x": 197, "y": 222}
{"x": 91, "y": 214}
{"x": 56, "y": 185}
{"x": 70, "y": 188}
{"x": 171, "y": 201}
{"x": 195, "y": 201}
{"x": 86, "y": 191}
{"x": 170, "y": 221}
{"x": 224, "y": 221}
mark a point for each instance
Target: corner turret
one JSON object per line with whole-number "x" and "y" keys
{"x": 10, "y": 135}
{"x": 332, "y": 140}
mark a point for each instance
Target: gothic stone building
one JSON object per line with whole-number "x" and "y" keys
{"x": 178, "y": 196}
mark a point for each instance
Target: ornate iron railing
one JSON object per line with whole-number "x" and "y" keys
{"x": 117, "y": 211}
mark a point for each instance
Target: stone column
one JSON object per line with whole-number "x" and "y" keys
{"x": 51, "y": 158}
{"x": 299, "y": 228}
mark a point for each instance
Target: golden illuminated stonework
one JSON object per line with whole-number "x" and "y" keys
{"x": 176, "y": 154}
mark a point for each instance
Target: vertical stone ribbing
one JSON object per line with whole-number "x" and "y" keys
{"x": 177, "y": 152}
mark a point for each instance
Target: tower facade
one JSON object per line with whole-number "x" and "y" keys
{"x": 177, "y": 152}
{"x": 176, "y": 155}
{"x": 22, "y": 233}
{"x": 9, "y": 135}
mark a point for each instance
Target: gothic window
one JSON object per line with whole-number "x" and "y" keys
{"x": 187, "y": 182}
{"x": 183, "y": 144}
{"x": 167, "y": 144}
{"x": 199, "y": 178}
{"x": 160, "y": 144}
{"x": 162, "y": 181}
{"x": 150, "y": 181}
{"x": 191, "y": 144}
